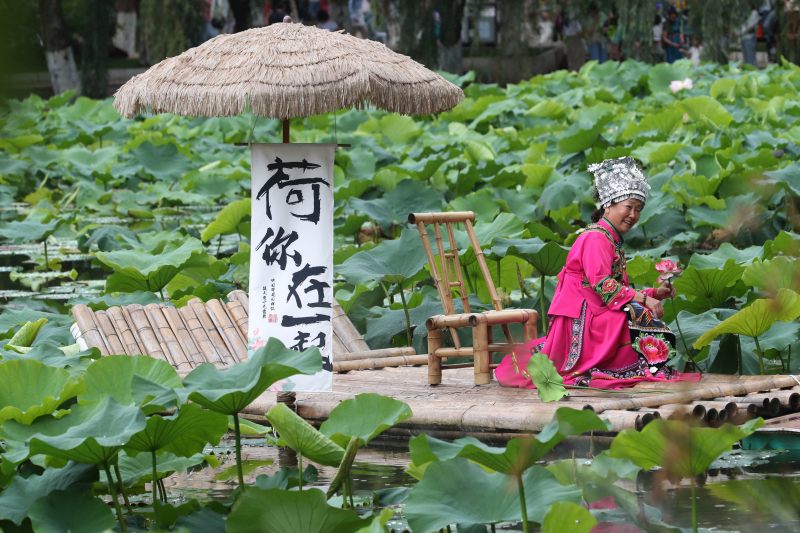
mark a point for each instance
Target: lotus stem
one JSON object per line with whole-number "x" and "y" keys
{"x": 522, "y": 283}
{"x": 46, "y": 260}
{"x": 344, "y": 495}
{"x": 760, "y": 356}
{"x": 350, "y": 491}
{"x": 343, "y": 473}
{"x": 788, "y": 205}
{"x": 300, "y": 471}
{"x": 788, "y": 361}
{"x": 408, "y": 317}
{"x": 492, "y": 526}
{"x": 219, "y": 244}
{"x": 685, "y": 347}
{"x": 154, "y": 485}
{"x": 522, "y": 505}
{"x": 694, "y": 506}
{"x": 544, "y": 311}
{"x": 112, "y": 487}
{"x": 739, "y": 350}
{"x": 163, "y": 490}
{"x": 122, "y": 489}
{"x": 239, "y": 453}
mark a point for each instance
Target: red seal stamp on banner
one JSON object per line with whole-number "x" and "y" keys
{"x": 273, "y": 319}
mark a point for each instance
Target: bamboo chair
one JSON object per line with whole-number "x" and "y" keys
{"x": 481, "y": 322}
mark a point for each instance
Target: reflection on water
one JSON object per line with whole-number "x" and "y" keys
{"x": 721, "y": 504}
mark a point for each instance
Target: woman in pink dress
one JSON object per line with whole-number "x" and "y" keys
{"x": 603, "y": 333}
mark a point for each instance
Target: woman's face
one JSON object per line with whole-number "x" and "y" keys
{"x": 623, "y": 215}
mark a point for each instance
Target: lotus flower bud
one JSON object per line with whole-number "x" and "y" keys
{"x": 777, "y": 153}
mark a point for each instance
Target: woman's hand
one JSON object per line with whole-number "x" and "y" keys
{"x": 654, "y": 306}
{"x": 667, "y": 290}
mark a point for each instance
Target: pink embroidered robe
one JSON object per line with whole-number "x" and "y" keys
{"x": 589, "y": 339}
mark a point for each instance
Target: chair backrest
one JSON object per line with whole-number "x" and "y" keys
{"x": 443, "y": 280}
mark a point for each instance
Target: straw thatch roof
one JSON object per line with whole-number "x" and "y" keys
{"x": 286, "y": 71}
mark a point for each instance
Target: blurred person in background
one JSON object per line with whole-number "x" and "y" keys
{"x": 279, "y": 10}
{"x": 572, "y": 29}
{"x": 749, "y": 30}
{"x": 324, "y": 21}
{"x": 595, "y": 39}
{"x": 672, "y": 36}
{"x": 658, "y": 29}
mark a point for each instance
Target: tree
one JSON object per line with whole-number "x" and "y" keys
{"x": 99, "y": 27}
{"x": 417, "y": 38}
{"x": 57, "y": 49}
{"x": 450, "y": 37}
{"x": 170, "y": 27}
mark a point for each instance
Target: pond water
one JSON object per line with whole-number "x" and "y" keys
{"x": 381, "y": 465}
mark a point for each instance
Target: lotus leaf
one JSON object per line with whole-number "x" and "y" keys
{"x": 364, "y": 417}
{"x": 457, "y": 490}
{"x": 409, "y": 196}
{"x": 205, "y": 521}
{"x": 185, "y": 433}
{"x": 711, "y": 285}
{"x": 678, "y": 448}
{"x": 38, "y": 390}
{"x": 92, "y": 433}
{"x": 567, "y": 517}
{"x": 18, "y": 497}
{"x": 141, "y": 270}
{"x": 772, "y": 276}
{"x": 228, "y": 220}
{"x": 248, "y": 427}
{"x": 280, "y": 511}
{"x": 546, "y": 258}
{"x": 115, "y": 375}
{"x": 303, "y": 438}
{"x": 68, "y": 357}
{"x": 138, "y": 470}
{"x": 286, "y": 478}
{"x": 64, "y": 511}
{"x": 549, "y": 383}
{"x": 661, "y": 75}
{"x": 229, "y": 391}
{"x": 393, "y": 261}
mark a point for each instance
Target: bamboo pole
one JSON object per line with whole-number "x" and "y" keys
{"x": 124, "y": 330}
{"x": 143, "y": 328}
{"x": 480, "y": 348}
{"x": 182, "y": 334}
{"x": 89, "y": 330}
{"x": 529, "y": 328}
{"x": 380, "y": 362}
{"x": 127, "y": 316}
{"x": 707, "y": 393}
{"x": 457, "y": 267}
{"x": 437, "y": 232}
{"x": 229, "y": 332}
{"x": 337, "y": 346}
{"x": 180, "y": 359}
{"x": 430, "y": 218}
{"x": 437, "y": 279}
{"x": 106, "y": 326}
{"x": 219, "y": 342}
{"x": 434, "y": 363}
{"x": 200, "y": 337}
{"x": 239, "y": 316}
{"x": 347, "y": 332}
{"x": 240, "y": 296}
{"x": 374, "y": 354}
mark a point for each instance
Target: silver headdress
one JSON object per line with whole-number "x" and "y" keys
{"x": 619, "y": 179}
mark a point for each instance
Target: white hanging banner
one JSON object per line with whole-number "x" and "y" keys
{"x": 291, "y": 254}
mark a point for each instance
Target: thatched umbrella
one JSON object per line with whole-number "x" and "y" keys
{"x": 285, "y": 71}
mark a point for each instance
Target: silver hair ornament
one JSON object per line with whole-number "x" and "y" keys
{"x": 619, "y": 179}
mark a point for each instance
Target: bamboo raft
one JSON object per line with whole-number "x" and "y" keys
{"x": 216, "y": 332}
{"x": 212, "y": 332}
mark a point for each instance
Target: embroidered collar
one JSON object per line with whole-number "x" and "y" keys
{"x": 609, "y": 226}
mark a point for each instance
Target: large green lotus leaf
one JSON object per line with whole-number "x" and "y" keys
{"x": 772, "y": 276}
{"x": 102, "y": 303}
{"x": 162, "y": 162}
{"x": 482, "y": 203}
{"x": 661, "y": 75}
{"x": 579, "y": 137}
{"x": 567, "y": 517}
{"x": 64, "y": 511}
{"x": 37, "y": 389}
{"x": 229, "y": 391}
{"x": 410, "y": 196}
{"x": 86, "y": 161}
{"x": 603, "y": 470}
{"x": 709, "y": 283}
{"x": 300, "y": 436}
{"x": 364, "y": 416}
{"x": 380, "y": 330}
{"x": 693, "y": 327}
{"x": 399, "y": 129}
{"x": 92, "y": 433}
{"x": 460, "y": 491}
{"x": 544, "y": 375}
{"x": 185, "y": 433}
{"x": 547, "y": 258}
{"x": 520, "y": 453}
{"x": 703, "y": 107}
{"x": 776, "y": 496}
{"x": 287, "y": 478}
{"x": 114, "y": 375}
{"x": 17, "y": 498}
{"x": 787, "y": 177}
{"x": 28, "y": 230}
{"x": 227, "y": 221}
{"x": 204, "y": 521}
{"x": 141, "y": 270}
{"x": 560, "y": 193}
{"x": 66, "y": 357}
{"x": 392, "y": 261}
{"x": 138, "y": 470}
{"x": 505, "y": 225}
{"x": 653, "y": 153}
{"x": 665, "y": 121}
{"x": 281, "y": 511}
{"x": 756, "y": 319}
{"x": 18, "y": 316}
{"x": 677, "y": 447}
{"x": 722, "y": 88}
{"x": 726, "y": 251}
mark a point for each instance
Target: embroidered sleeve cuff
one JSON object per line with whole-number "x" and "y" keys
{"x": 624, "y": 296}
{"x": 611, "y": 290}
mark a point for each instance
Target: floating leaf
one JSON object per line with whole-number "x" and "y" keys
{"x": 549, "y": 383}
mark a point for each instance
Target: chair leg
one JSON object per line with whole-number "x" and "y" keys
{"x": 529, "y": 330}
{"x": 480, "y": 351}
{"x": 434, "y": 363}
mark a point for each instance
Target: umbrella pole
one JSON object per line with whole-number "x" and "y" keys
{"x": 286, "y": 123}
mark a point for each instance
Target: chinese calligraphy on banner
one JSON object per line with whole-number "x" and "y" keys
{"x": 291, "y": 257}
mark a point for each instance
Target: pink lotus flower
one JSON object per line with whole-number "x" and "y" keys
{"x": 654, "y": 350}
{"x": 669, "y": 269}
{"x": 678, "y": 85}
{"x": 257, "y": 343}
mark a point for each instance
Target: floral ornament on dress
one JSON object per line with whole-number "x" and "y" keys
{"x": 655, "y": 350}
{"x": 669, "y": 269}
